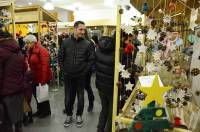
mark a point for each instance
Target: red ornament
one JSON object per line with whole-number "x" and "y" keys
{"x": 171, "y": 6}
{"x": 138, "y": 125}
{"x": 177, "y": 121}
{"x": 129, "y": 49}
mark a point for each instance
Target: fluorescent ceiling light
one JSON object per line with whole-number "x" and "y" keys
{"x": 48, "y": 5}
{"x": 30, "y": 3}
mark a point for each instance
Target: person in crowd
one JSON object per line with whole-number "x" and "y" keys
{"x": 88, "y": 76}
{"x": 39, "y": 62}
{"x": 136, "y": 43}
{"x": 105, "y": 58}
{"x": 76, "y": 58}
{"x": 12, "y": 70}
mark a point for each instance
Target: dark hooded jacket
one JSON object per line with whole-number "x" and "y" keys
{"x": 12, "y": 68}
{"x": 105, "y": 58}
{"x": 76, "y": 57}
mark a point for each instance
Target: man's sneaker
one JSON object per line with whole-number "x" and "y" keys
{"x": 79, "y": 121}
{"x": 68, "y": 121}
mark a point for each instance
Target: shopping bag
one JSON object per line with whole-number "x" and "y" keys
{"x": 42, "y": 93}
{"x": 26, "y": 106}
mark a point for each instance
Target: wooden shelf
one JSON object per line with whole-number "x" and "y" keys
{"x": 4, "y": 17}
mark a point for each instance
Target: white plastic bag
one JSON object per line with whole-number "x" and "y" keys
{"x": 42, "y": 93}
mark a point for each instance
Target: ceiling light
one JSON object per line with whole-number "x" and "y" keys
{"x": 30, "y": 3}
{"x": 48, "y": 5}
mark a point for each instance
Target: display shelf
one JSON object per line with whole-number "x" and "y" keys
{"x": 9, "y": 5}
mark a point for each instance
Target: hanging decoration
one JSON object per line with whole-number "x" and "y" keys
{"x": 129, "y": 86}
{"x": 191, "y": 38}
{"x": 195, "y": 72}
{"x": 167, "y": 19}
{"x": 179, "y": 42}
{"x": 151, "y": 35}
{"x": 142, "y": 49}
{"x": 157, "y": 55}
{"x": 193, "y": 18}
{"x": 145, "y": 6}
{"x": 150, "y": 67}
{"x": 171, "y": 6}
{"x": 127, "y": 28}
{"x": 125, "y": 74}
{"x": 121, "y": 67}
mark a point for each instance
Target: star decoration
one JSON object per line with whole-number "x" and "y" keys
{"x": 129, "y": 86}
{"x": 150, "y": 67}
{"x": 121, "y": 67}
{"x": 142, "y": 49}
{"x": 157, "y": 55}
{"x": 151, "y": 35}
{"x": 167, "y": 19}
{"x": 155, "y": 92}
{"x": 125, "y": 74}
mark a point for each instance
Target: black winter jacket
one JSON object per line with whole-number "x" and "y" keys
{"x": 105, "y": 58}
{"x": 76, "y": 57}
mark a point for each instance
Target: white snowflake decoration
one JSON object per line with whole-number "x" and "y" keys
{"x": 151, "y": 35}
{"x": 167, "y": 19}
{"x": 121, "y": 67}
{"x": 142, "y": 49}
{"x": 129, "y": 86}
{"x": 157, "y": 55}
{"x": 125, "y": 74}
{"x": 150, "y": 67}
{"x": 128, "y": 29}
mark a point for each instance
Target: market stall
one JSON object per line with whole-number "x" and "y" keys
{"x": 157, "y": 90}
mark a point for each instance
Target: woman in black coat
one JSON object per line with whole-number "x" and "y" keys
{"x": 105, "y": 58}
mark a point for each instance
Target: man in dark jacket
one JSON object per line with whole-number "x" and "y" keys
{"x": 105, "y": 58}
{"x": 75, "y": 59}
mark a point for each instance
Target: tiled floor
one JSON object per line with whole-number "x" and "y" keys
{"x": 54, "y": 123}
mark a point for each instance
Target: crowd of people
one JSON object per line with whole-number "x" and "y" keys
{"x": 23, "y": 68}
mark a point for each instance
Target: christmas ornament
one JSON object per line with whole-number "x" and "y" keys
{"x": 171, "y": 6}
{"x": 191, "y": 38}
{"x": 125, "y": 74}
{"x": 150, "y": 67}
{"x": 127, "y": 29}
{"x": 142, "y": 49}
{"x": 121, "y": 67}
{"x": 129, "y": 86}
{"x": 151, "y": 35}
{"x": 179, "y": 42}
{"x": 160, "y": 11}
{"x": 155, "y": 92}
{"x": 145, "y": 6}
{"x": 195, "y": 72}
{"x": 193, "y": 18}
{"x": 167, "y": 19}
{"x": 157, "y": 55}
